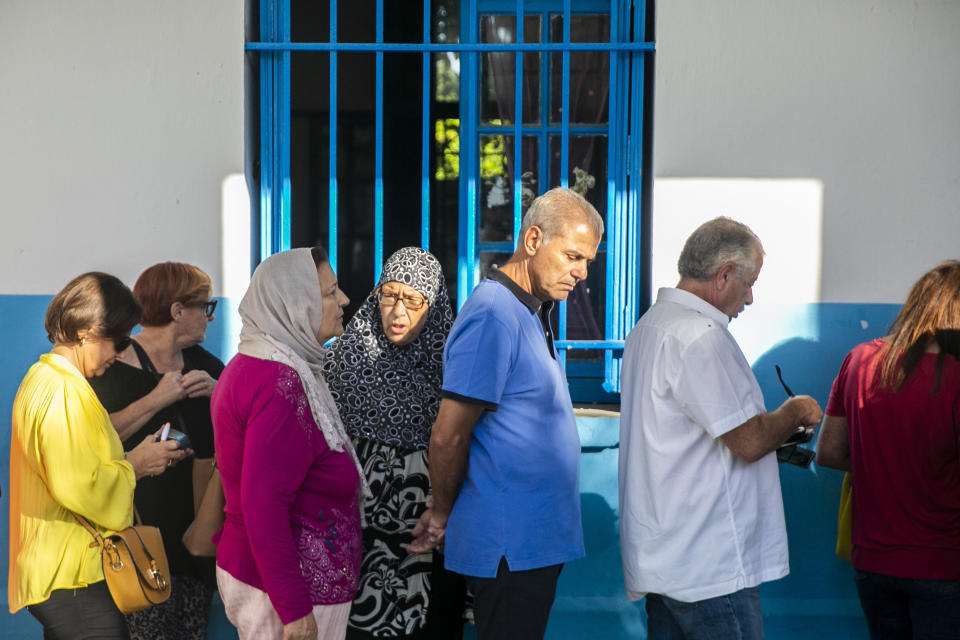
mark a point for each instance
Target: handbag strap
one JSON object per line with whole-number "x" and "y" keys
{"x": 97, "y": 538}
{"x": 149, "y": 367}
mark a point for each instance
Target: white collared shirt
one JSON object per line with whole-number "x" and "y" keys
{"x": 696, "y": 522}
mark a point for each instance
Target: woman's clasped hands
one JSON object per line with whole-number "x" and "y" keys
{"x": 175, "y": 386}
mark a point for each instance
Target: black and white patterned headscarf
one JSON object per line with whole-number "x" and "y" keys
{"x": 389, "y": 393}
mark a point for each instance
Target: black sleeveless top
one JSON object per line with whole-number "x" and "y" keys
{"x": 166, "y": 501}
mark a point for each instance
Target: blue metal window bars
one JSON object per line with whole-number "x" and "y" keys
{"x": 623, "y": 129}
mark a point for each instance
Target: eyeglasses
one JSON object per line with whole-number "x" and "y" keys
{"x": 207, "y": 307}
{"x": 411, "y": 302}
{"x": 120, "y": 344}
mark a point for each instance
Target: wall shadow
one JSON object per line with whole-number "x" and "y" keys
{"x": 819, "y": 583}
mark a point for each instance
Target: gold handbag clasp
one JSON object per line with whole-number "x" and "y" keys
{"x": 116, "y": 562}
{"x": 157, "y": 577}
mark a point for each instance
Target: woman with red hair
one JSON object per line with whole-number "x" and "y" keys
{"x": 166, "y": 376}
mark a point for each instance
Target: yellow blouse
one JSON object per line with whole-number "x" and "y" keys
{"x": 64, "y": 456}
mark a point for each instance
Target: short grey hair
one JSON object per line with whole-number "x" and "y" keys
{"x": 714, "y": 244}
{"x": 551, "y": 211}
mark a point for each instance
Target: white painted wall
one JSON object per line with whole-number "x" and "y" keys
{"x": 859, "y": 96}
{"x": 121, "y": 125}
{"x": 121, "y": 136}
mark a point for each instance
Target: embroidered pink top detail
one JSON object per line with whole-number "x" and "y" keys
{"x": 283, "y": 483}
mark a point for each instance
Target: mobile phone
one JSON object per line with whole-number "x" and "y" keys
{"x": 182, "y": 440}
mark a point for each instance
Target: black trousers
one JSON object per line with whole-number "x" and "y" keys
{"x": 81, "y": 614}
{"x": 448, "y": 596}
{"x": 516, "y": 604}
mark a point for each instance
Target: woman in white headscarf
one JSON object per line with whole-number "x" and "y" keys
{"x": 288, "y": 557}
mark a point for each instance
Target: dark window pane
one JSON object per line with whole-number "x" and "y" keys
{"x": 589, "y": 70}
{"x": 498, "y": 71}
{"x": 586, "y": 307}
{"x": 446, "y": 137}
{"x": 446, "y": 64}
{"x": 489, "y": 259}
{"x": 496, "y": 184}
{"x": 587, "y": 168}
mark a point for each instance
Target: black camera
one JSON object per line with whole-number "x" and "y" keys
{"x": 796, "y": 455}
{"x": 801, "y": 436}
{"x": 791, "y": 453}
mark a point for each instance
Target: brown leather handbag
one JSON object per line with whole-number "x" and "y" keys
{"x": 134, "y": 564}
{"x": 208, "y": 504}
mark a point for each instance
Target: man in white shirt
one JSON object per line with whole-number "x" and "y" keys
{"x": 701, "y": 515}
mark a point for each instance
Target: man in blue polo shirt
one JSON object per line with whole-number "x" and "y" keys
{"x": 504, "y": 451}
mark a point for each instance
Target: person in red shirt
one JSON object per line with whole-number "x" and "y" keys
{"x": 892, "y": 420}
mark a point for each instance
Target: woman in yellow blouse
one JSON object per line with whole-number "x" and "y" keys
{"x": 66, "y": 457}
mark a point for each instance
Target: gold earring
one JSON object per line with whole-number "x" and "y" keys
{"x": 83, "y": 341}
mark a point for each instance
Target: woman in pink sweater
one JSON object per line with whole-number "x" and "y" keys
{"x": 288, "y": 556}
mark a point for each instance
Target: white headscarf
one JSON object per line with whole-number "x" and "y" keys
{"x": 281, "y": 313}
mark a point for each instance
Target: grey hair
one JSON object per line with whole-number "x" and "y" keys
{"x": 552, "y": 210}
{"x": 714, "y": 244}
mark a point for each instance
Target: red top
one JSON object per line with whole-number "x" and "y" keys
{"x": 293, "y": 515}
{"x": 904, "y": 459}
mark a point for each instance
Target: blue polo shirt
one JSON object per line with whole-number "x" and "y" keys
{"x": 520, "y": 499}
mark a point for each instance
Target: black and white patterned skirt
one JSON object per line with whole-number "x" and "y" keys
{"x": 393, "y": 595}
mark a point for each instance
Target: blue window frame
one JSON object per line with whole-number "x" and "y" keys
{"x": 520, "y": 132}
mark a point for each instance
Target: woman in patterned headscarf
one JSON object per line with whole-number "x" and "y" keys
{"x": 385, "y": 374}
